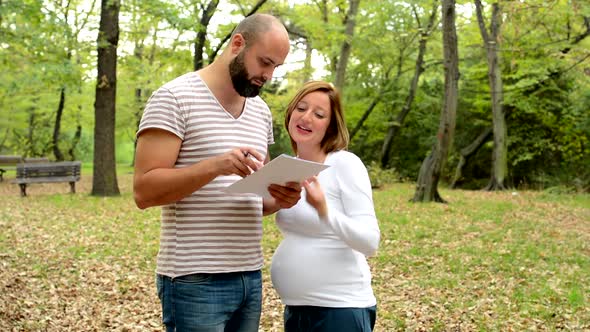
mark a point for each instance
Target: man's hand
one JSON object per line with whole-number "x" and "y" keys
{"x": 285, "y": 196}
{"x": 241, "y": 161}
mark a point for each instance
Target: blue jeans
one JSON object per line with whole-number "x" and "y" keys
{"x": 325, "y": 319}
{"x": 211, "y": 302}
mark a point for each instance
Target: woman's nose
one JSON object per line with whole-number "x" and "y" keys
{"x": 306, "y": 115}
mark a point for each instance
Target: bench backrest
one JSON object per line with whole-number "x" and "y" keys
{"x": 10, "y": 160}
{"x": 36, "y": 160}
{"x": 48, "y": 170}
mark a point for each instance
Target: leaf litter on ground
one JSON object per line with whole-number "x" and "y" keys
{"x": 486, "y": 261}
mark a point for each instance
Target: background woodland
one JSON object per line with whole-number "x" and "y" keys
{"x": 518, "y": 116}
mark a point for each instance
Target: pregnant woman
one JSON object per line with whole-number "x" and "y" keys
{"x": 320, "y": 268}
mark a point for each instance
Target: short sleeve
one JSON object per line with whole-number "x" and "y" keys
{"x": 163, "y": 112}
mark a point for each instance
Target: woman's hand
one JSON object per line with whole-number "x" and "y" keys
{"x": 315, "y": 196}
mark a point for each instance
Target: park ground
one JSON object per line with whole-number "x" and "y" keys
{"x": 487, "y": 261}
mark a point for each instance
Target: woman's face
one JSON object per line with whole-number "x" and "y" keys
{"x": 310, "y": 119}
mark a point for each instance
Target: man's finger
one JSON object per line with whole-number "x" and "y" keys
{"x": 284, "y": 196}
{"x": 251, "y": 152}
{"x": 283, "y": 201}
{"x": 293, "y": 185}
{"x": 252, "y": 163}
{"x": 286, "y": 190}
{"x": 241, "y": 169}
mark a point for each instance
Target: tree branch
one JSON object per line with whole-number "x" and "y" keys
{"x": 213, "y": 54}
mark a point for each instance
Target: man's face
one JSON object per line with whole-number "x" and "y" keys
{"x": 241, "y": 79}
{"x": 254, "y": 65}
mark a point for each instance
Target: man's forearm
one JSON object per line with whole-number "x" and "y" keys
{"x": 163, "y": 186}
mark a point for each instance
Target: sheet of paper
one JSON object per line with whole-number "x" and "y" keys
{"x": 280, "y": 170}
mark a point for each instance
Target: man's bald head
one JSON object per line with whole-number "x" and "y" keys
{"x": 258, "y": 45}
{"x": 254, "y": 26}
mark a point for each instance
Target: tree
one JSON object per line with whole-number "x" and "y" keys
{"x": 35, "y": 71}
{"x": 543, "y": 58}
{"x": 206, "y": 15}
{"x": 213, "y": 54}
{"x": 469, "y": 151}
{"x": 349, "y": 23}
{"x": 396, "y": 125}
{"x": 104, "y": 181}
{"x": 379, "y": 61}
{"x": 491, "y": 43}
{"x": 428, "y": 178}
{"x": 73, "y": 77}
{"x": 155, "y": 29}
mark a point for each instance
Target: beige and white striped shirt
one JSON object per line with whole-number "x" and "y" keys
{"x": 209, "y": 231}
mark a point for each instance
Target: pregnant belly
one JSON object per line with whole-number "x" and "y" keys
{"x": 314, "y": 270}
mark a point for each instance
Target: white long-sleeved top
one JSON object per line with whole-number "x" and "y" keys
{"x": 323, "y": 262}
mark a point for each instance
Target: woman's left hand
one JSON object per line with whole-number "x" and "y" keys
{"x": 315, "y": 196}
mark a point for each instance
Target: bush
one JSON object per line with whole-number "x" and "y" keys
{"x": 380, "y": 177}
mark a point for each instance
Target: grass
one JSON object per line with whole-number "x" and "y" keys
{"x": 498, "y": 261}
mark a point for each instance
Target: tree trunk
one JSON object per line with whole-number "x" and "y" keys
{"x": 500, "y": 151}
{"x": 386, "y": 85}
{"x": 141, "y": 93}
{"x": 350, "y": 22}
{"x": 75, "y": 141}
{"x": 365, "y": 115}
{"x": 78, "y": 133}
{"x": 138, "y": 54}
{"x": 104, "y": 181}
{"x": 324, "y": 10}
{"x": 429, "y": 176}
{"x": 5, "y": 137}
{"x": 467, "y": 152}
{"x": 390, "y": 84}
{"x": 138, "y": 114}
{"x": 30, "y": 140}
{"x": 202, "y": 33}
{"x": 307, "y": 68}
{"x": 62, "y": 95}
{"x": 396, "y": 125}
{"x": 577, "y": 39}
{"x": 57, "y": 125}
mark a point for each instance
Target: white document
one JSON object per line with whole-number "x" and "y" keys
{"x": 280, "y": 170}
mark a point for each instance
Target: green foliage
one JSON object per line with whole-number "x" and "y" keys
{"x": 38, "y": 70}
{"x": 44, "y": 49}
{"x": 381, "y": 177}
{"x": 544, "y": 85}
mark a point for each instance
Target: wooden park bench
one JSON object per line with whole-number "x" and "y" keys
{"x": 8, "y": 163}
{"x": 46, "y": 172}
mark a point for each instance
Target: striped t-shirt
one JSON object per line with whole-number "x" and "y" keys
{"x": 209, "y": 231}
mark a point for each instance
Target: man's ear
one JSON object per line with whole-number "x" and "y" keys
{"x": 237, "y": 43}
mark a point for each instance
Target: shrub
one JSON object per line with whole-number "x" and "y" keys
{"x": 380, "y": 177}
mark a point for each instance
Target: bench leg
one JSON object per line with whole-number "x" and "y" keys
{"x": 23, "y": 189}
{"x": 73, "y": 187}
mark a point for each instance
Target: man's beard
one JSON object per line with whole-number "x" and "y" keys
{"x": 240, "y": 80}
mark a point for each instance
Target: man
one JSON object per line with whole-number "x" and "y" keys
{"x": 200, "y": 133}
